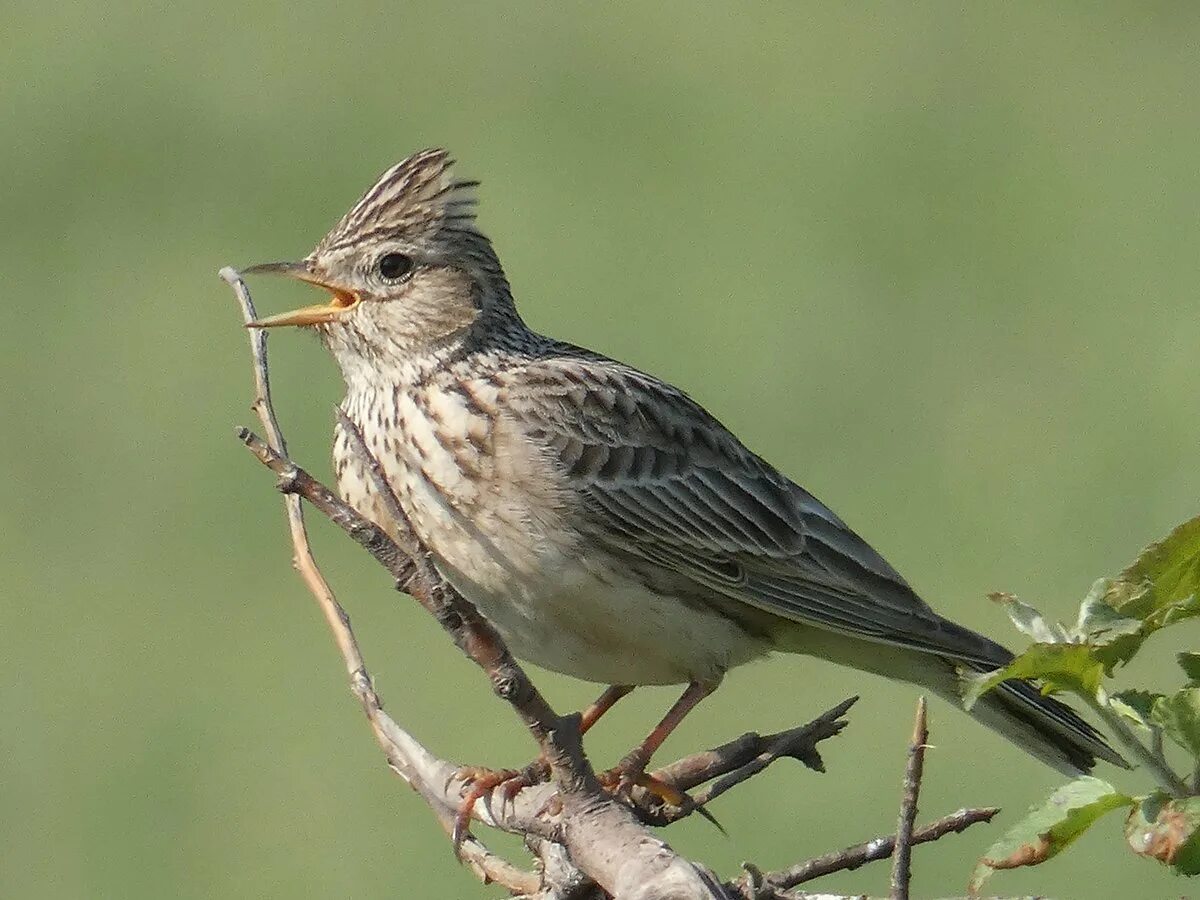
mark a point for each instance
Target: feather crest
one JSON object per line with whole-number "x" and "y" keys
{"x": 417, "y": 198}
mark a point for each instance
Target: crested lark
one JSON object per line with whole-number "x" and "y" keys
{"x": 607, "y": 525}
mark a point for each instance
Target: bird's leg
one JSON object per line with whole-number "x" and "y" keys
{"x": 601, "y": 705}
{"x": 632, "y": 767}
{"x": 480, "y": 781}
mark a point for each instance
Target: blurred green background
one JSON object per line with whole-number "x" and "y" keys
{"x": 937, "y": 264}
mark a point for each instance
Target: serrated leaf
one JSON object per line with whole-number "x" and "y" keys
{"x": 1179, "y": 717}
{"x": 1134, "y": 706}
{"x": 1067, "y": 667}
{"x": 1161, "y": 587}
{"x": 1028, "y": 620}
{"x": 1190, "y": 663}
{"x": 1050, "y": 828}
{"x": 1167, "y": 830}
{"x": 1164, "y": 573}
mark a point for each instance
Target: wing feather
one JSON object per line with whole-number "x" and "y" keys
{"x": 666, "y": 483}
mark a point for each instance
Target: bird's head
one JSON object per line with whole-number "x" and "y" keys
{"x": 405, "y": 268}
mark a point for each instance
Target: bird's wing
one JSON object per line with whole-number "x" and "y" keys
{"x": 667, "y": 483}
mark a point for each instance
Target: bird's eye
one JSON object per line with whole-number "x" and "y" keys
{"x": 395, "y": 265}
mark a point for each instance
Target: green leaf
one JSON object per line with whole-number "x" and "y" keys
{"x": 1029, "y": 621}
{"x": 1050, "y": 828}
{"x": 1099, "y": 623}
{"x": 1070, "y": 667}
{"x": 1161, "y": 587}
{"x": 1190, "y": 663}
{"x": 1166, "y": 573}
{"x": 1135, "y": 706}
{"x": 1179, "y": 716}
{"x": 1175, "y": 611}
{"x": 1167, "y": 830}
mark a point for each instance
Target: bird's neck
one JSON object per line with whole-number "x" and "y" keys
{"x": 489, "y": 345}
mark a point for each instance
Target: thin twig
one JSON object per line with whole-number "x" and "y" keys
{"x": 798, "y": 743}
{"x": 602, "y": 836}
{"x": 1165, "y": 775}
{"x": 744, "y": 757}
{"x": 870, "y": 851}
{"x": 1159, "y": 752}
{"x": 485, "y": 864}
{"x": 302, "y": 557}
{"x": 902, "y": 861}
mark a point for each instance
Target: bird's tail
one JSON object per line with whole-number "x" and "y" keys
{"x": 1043, "y": 727}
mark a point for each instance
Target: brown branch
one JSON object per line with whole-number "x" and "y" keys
{"x": 739, "y": 760}
{"x": 868, "y": 851}
{"x": 488, "y": 866}
{"x": 476, "y": 637}
{"x": 751, "y": 753}
{"x": 302, "y": 558}
{"x": 755, "y": 885}
{"x": 902, "y": 861}
{"x": 603, "y": 838}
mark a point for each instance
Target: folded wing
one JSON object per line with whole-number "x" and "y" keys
{"x": 667, "y": 483}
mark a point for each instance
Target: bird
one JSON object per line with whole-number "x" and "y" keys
{"x": 604, "y": 522}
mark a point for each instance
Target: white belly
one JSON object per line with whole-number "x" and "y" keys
{"x": 584, "y": 618}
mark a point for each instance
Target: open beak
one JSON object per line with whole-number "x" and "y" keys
{"x": 341, "y": 301}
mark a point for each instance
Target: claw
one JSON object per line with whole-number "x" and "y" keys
{"x": 479, "y": 782}
{"x": 664, "y": 791}
{"x": 552, "y": 807}
{"x": 702, "y": 811}
{"x": 534, "y": 773}
{"x": 620, "y": 779}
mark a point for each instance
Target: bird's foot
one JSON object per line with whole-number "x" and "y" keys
{"x": 480, "y": 781}
{"x": 631, "y": 772}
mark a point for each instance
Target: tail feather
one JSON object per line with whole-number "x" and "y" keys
{"x": 1044, "y": 727}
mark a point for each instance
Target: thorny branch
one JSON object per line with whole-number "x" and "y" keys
{"x": 776, "y": 883}
{"x": 587, "y": 844}
{"x": 902, "y": 861}
{"x": 392, "y": 739}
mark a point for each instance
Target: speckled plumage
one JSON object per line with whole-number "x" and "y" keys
{"x": 608, "y": 525}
